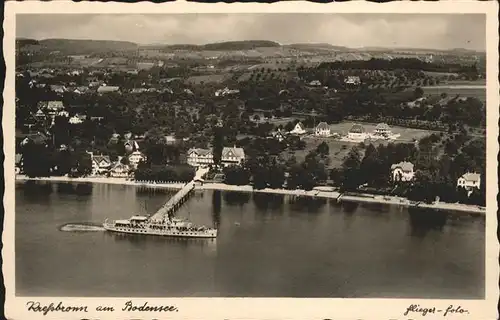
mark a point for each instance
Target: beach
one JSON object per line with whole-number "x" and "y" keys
{"x": 316, "y": 192}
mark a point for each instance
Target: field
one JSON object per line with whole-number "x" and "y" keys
{"x": 464, "y": 90}
{"x": 218, "y": 78}
{"x": 338, "y": 150}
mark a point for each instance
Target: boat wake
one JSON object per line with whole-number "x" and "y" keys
{"x": 81, "y": 227}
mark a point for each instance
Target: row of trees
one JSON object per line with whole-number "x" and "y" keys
{"x": 169, "y": 173}
{"x": 38, "y": 160}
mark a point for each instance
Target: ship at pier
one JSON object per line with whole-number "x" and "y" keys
{"x": 168, "y": 227}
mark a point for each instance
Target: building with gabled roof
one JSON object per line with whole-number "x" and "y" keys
{"x": 469, "y": 181}
{"x": 232, "y": 156}
{"x": 200, "y": 157}
{"x": 357, "y": 133}
{"x": 108, "y": 89}
{"x": 298, "y": 129}
{"x": 403, "y": 171}
{"x": 323, "y": 130}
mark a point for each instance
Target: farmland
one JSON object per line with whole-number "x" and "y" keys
{"x": 463, "y": 90}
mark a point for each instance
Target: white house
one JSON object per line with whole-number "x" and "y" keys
{"x": 357, "y": 133}
{"x": 75, "y": 120}
{"x": 352, "y": 80}
{"x": 469, "y": 181}
{"x": 232, "y": 156}
{"x": 200, "y": 157}
{"x": 402, "y": 171}
{"x": 382, "y": 130}
{"x": 119, "y": 170}
{"x": 323, "y": 130}
{"x": 135, "y": 157}
{"x": 298, "y": 129}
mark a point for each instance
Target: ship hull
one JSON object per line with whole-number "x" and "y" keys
{"x": 162, "y": 233}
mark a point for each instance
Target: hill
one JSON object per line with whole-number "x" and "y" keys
{"x": 218, "y": 46}
{"x": 317, "y": 46}
{"x": 75, "y": 47}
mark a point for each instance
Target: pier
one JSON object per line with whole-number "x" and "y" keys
{"x": 174, "y": 203}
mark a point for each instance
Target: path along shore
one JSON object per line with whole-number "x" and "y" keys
{"x": 317, "y": 192}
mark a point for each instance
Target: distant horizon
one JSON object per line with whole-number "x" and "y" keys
{"x": 244, "y": 40}
{"x": 439, "y": 32}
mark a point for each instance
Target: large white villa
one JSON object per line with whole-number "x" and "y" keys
{"x": 323, "y": 130}
{"x": 357, "y": 133}
{"x": 203, "y": 157}
{"x": 382, "y": 129}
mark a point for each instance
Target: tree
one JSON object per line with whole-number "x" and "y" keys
{"x": 352, "y": 178}
{"x": 418, "y": 93}
{"x": 218, "y": 144}
{"x": 36, "y": 160}
{"x": 236, "y": 175}
{"x": 323, "y": 149}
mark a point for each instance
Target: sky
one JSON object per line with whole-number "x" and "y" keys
{"x": 432, "y": 31}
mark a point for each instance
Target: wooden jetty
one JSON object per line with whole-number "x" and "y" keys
{"x": 169, "y": 208}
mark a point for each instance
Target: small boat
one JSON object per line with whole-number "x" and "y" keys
{"x": 168, "y": 227}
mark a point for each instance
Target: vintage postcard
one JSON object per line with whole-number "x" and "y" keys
{"x": 251, "y": 161}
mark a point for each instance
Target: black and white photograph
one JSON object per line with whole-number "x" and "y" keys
{"x": 253, "y": 155}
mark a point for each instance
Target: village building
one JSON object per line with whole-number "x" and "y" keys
{"x": 402, "y": 171}
{"x": 77, "y": 119}
{"x": 352, "y": 80}
{"x": 200, "y": 157}
{"x": 469, "y": 181}
{"x": 100, "y": 163}
{"x": 58, "y": 88}
{"x": 323, "y": 130}
{"x": 357, "y": 133}
{"x": 298, "y": 129}
{"x": 279, "y": 135}
{"x": 315, "y": 83}
{"x": 107, "y": 89}
{"x": 232, "y": 156}
{"x": 80, "y": 90}
{"x": 51, "y": 108}
{"x": 135, "y": 158}
{"x": 119, "y": 170}
{"x": 382, "y": 129}
{"x": 225, "y": 92}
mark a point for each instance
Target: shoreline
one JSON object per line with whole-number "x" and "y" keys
{"x": 361, "y": 198}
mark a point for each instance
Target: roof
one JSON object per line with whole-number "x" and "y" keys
{"x": 474, "y": 177}
{"x": 101, "y": 158}
{"x": 139, "y": 218}
{"x": 382, "y": 126}
{"x": 299, "y": 124}
{"x": 357, "y": 128}
{"x": 104, "y": 89}
{"x": 199, "y": 151}
{"x": 322, "y": 126}
{"x": 405, "y": 166}
{"x": 37, "y": 138}
{"x": 233, "y": 152}
{"x": 122, "y": 221}
{"x": 53, "y": 105}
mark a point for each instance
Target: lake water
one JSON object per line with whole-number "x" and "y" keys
{"x": 268, "y": 246}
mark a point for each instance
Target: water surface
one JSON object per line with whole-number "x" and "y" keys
{"x": 268, "y": 246}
